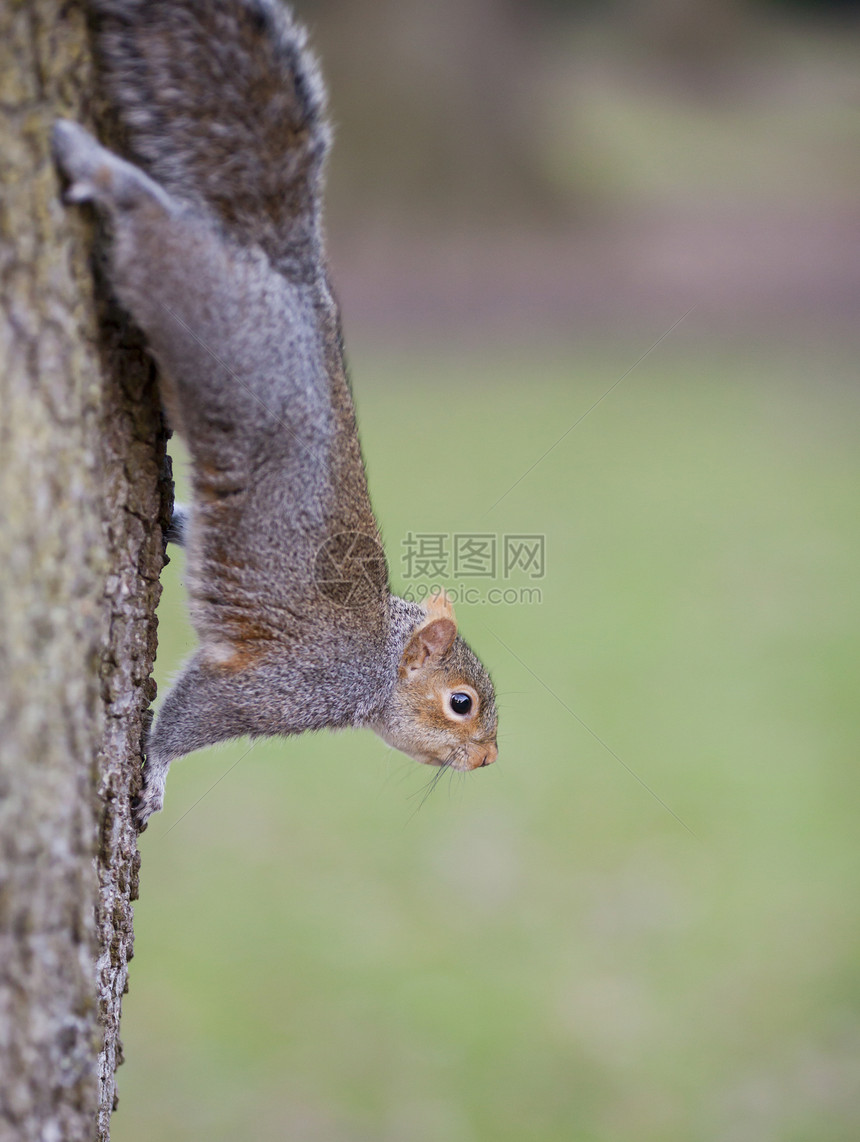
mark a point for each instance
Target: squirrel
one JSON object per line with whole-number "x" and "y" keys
{"x": 217, "y": 253}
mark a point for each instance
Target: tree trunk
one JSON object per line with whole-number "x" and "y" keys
{"x": 83, "y": 496}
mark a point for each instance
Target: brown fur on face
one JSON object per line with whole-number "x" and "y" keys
{"x": 436, "y": 663}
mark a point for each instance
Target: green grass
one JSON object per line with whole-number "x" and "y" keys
{"x": 544, "y": 951}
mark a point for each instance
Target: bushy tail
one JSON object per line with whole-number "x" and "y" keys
{"x": 224, "y": 106}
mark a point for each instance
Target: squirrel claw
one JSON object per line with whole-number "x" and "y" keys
{"x": 139, "y": 824}
{"x": 143, "y": 806}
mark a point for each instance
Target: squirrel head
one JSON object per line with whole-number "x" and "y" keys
{"x": 442, "y": 710}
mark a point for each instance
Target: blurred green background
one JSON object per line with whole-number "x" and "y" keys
{"x": 641, "y": 923}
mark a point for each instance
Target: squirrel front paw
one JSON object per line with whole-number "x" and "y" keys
{"x": 150, "y": 799}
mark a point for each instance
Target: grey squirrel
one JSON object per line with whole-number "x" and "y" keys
{"x": 217, "y": 253}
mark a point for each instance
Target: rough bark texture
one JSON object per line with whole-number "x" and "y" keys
{"x": 82, "y": 500}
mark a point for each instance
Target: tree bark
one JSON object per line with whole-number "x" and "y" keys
{"x": 84, "y": 493}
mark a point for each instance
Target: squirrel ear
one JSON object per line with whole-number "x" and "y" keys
{"x": 430, "y": 641}
{"x": 433, "y": 638}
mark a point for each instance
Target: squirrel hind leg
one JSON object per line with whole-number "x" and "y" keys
{"x": 95, "y": 174}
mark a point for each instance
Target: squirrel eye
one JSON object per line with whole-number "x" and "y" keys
{"x": 460, "y": 703}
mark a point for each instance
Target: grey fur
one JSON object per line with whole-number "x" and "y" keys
{"x": 217, "y": 253}
{"x": 177, "y": 532}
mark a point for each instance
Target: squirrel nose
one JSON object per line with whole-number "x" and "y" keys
{"x": 490, "y": 756}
